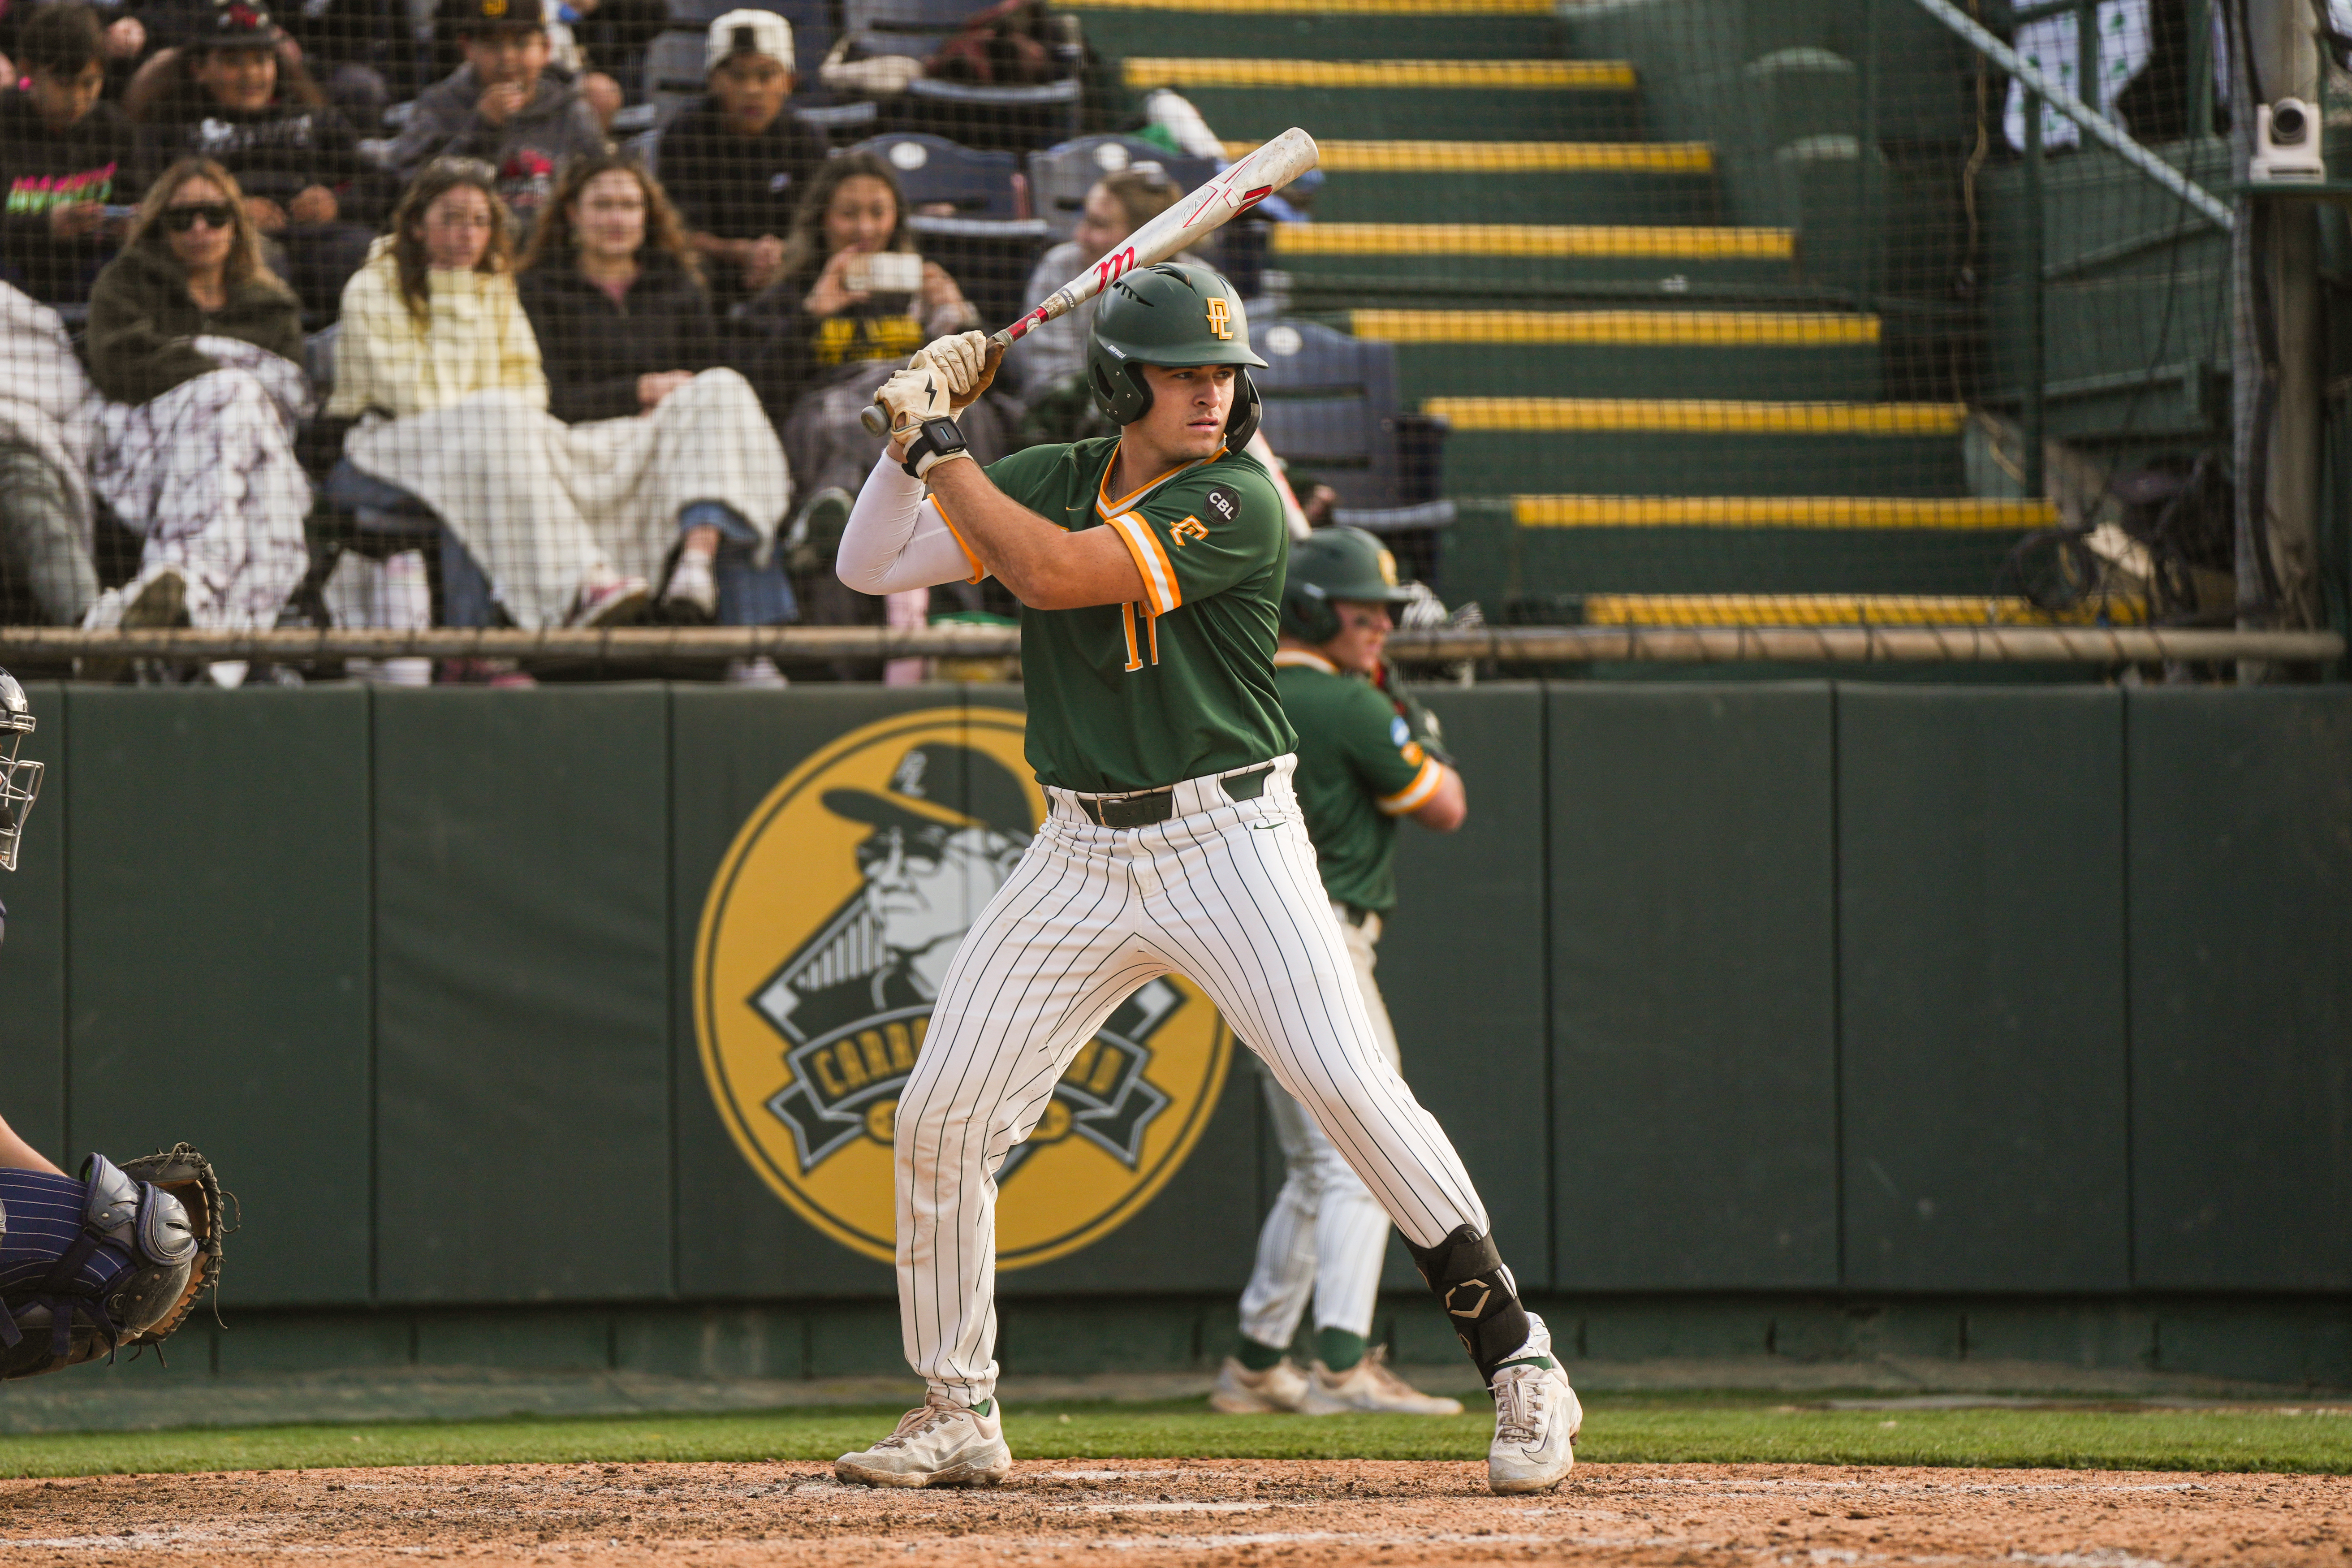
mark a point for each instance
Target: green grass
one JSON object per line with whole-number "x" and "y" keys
{"x": 1619, "y": 1428}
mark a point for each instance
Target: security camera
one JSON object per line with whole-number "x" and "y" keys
{"x": 2287, "y": 142}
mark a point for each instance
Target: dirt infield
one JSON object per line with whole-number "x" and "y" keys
{"x": 1156, "y": 1512}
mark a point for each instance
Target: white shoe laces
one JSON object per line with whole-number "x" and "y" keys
{"x": 915, "y": 1423}
{"x": 1519, "y": 1405}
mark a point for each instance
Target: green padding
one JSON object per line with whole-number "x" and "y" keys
{"x": 2241, "y": 995}
{"x": 1544, "y": 195}
{"x": 523, "y": 1031}
{"x": 1642, "y": 463}
{"x": 1462, "y": 968}
{"x": 731, "y": 747}
{"x": 33, "y": 956}
{"x": 1982, "y": 925}
{"x": 1694, "y": 1092}
{"x": 1845, "y": 372}
{"x": 218, "y": 879}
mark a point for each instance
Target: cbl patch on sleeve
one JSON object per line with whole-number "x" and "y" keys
{"x": 1222, "y": 501}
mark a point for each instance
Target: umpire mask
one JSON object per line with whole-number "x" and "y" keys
{"x": 20, "y": 780}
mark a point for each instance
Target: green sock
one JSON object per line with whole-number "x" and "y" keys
{"x": 1256, "y": 1356}
{"x": 1338, "y": 1349}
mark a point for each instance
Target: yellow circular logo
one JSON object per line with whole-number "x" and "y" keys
{"x": 823, "y": 939}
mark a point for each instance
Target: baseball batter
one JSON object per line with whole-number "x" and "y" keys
{"x": 1149, "y": 565}
{"x": 1367, "y": 758}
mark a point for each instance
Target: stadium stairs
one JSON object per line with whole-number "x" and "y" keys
{"x": 1649, "y": 426}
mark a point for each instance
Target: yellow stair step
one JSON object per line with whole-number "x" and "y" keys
{"x": 1323, "y": 7}
{"x": 1682, "y": 329}
{"x": 1704, "y": 416}
{"x": 1607, "y": 75}
{"x": 1530, "y": 239}
{"x": 1781, "y": 511}
{"x": 1846, "y": 610}
{"x": 1505, "y": 157}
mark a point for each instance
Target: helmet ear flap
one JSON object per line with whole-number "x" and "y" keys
{"x": 1241, "y": 424}
{"x": 1307, "y": 612}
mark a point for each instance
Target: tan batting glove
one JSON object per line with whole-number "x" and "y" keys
{"x": 914, "y": 395}
{"x": 967, "y": 361}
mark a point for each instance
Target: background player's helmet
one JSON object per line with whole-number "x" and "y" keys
{"x": 1172, "y": 316}
{"x": 20, "y": 780}
{"x": 1333, "y": 564}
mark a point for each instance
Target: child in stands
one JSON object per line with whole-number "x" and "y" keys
{"x": 66, "y": 154}
{"x": 737, "y": 163}
{"x": 503, "y": 106}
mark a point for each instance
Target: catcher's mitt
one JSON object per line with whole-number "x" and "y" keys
{"x": 188, "y": 1176}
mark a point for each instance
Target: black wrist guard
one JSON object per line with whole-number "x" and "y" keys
{"x": 938, "y": 438}
{"x": 1479, "y": 1296}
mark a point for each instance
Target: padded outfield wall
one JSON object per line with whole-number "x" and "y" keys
{"x": 1802, "y": 1019}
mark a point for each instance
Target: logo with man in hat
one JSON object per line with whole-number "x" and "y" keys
{"x": 825, "y": 939}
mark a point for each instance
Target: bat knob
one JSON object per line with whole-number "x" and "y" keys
{"x": 876, "y": 421}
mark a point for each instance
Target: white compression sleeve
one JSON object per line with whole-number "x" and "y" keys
{"x": 894, "y": 541}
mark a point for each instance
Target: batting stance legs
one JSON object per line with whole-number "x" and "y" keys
{"x": 1225, "y": 893}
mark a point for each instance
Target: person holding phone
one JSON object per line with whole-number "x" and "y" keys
{"x": 855, "y": 300}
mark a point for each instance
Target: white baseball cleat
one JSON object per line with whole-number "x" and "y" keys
{"x": 1369, "y": 1387}
{"x": 1241, "y": 1392}
{"x": 935, "y": 1445}
{"x": 1536, "y": 1418}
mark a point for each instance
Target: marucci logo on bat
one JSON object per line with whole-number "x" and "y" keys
{"x": 827, "y": 930}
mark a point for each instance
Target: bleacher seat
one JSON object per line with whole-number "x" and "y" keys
{"x": 912, "y": 27}
{"x": 1332, "y": 412}
{"x": 933, "y": 170}
{"x": 1060, "y": 176}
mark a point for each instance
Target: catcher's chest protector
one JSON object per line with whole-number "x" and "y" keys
{"x": 86, "y": 1265}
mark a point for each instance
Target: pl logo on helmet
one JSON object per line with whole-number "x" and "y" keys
{"x": 1176, "y": 317}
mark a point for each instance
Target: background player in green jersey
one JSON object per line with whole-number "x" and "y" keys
{"x": 1149, "y": 566}
{"x": 1366, "y": 758}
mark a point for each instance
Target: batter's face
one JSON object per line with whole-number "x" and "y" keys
{"x": 1187, "y": 417}
{"x": 1364, "y": 630}
{"x": 923, "y": 889}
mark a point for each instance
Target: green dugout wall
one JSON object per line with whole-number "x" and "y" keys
{"x": 1802, "y": 1018}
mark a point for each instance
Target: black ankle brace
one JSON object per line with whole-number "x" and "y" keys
{"x": 1479, "y": 1296}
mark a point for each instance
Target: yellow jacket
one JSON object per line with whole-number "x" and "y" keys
{"x": 478, "y": 340}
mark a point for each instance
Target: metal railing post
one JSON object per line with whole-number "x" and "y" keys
{"x": 2032, "y": 266}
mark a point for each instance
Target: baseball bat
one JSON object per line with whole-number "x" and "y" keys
{"x": 1242, "y": 186}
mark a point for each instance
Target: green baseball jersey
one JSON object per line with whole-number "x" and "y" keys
{"x": 1360, "y": 769}
{"x": 1180, "y": 684}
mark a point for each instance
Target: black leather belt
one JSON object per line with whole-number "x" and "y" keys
{"x": 1155, "y": 806}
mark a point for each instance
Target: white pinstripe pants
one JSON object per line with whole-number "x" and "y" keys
{"x": 1326, "y": 1235}
{"x": 1225, "y": 893}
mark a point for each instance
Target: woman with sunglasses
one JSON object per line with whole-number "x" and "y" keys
{"x": 198, "y": 349}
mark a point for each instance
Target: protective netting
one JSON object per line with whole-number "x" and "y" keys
{"x": 1705, "y": 312}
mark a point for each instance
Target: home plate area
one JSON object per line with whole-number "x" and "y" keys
{"x": 1150, "y": 1512}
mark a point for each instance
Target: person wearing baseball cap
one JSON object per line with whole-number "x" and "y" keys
{"x": 737, "y": 161}
{"x": 501, "y": 106}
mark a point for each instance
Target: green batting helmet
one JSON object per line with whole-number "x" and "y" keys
{"x": 1175, "y": 316}
{"x": 1330, "y": 565}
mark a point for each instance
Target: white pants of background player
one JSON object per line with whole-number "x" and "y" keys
{"x": 1327, "y": 1235}
{"x": 1225, "y": 893}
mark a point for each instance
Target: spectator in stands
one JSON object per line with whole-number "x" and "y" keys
{"x": 503, "y": 105}
{"x": 234, "y": 97}
{"x": 123, "y": 41}
{"x": 47, "y": 410}
{"x": 199, "y": 350}
{"x": 66, "y": 157}
{"x": 625, "y": 329}
{"x": 737, "y": 161}
{"x": 1046, "y": 369}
